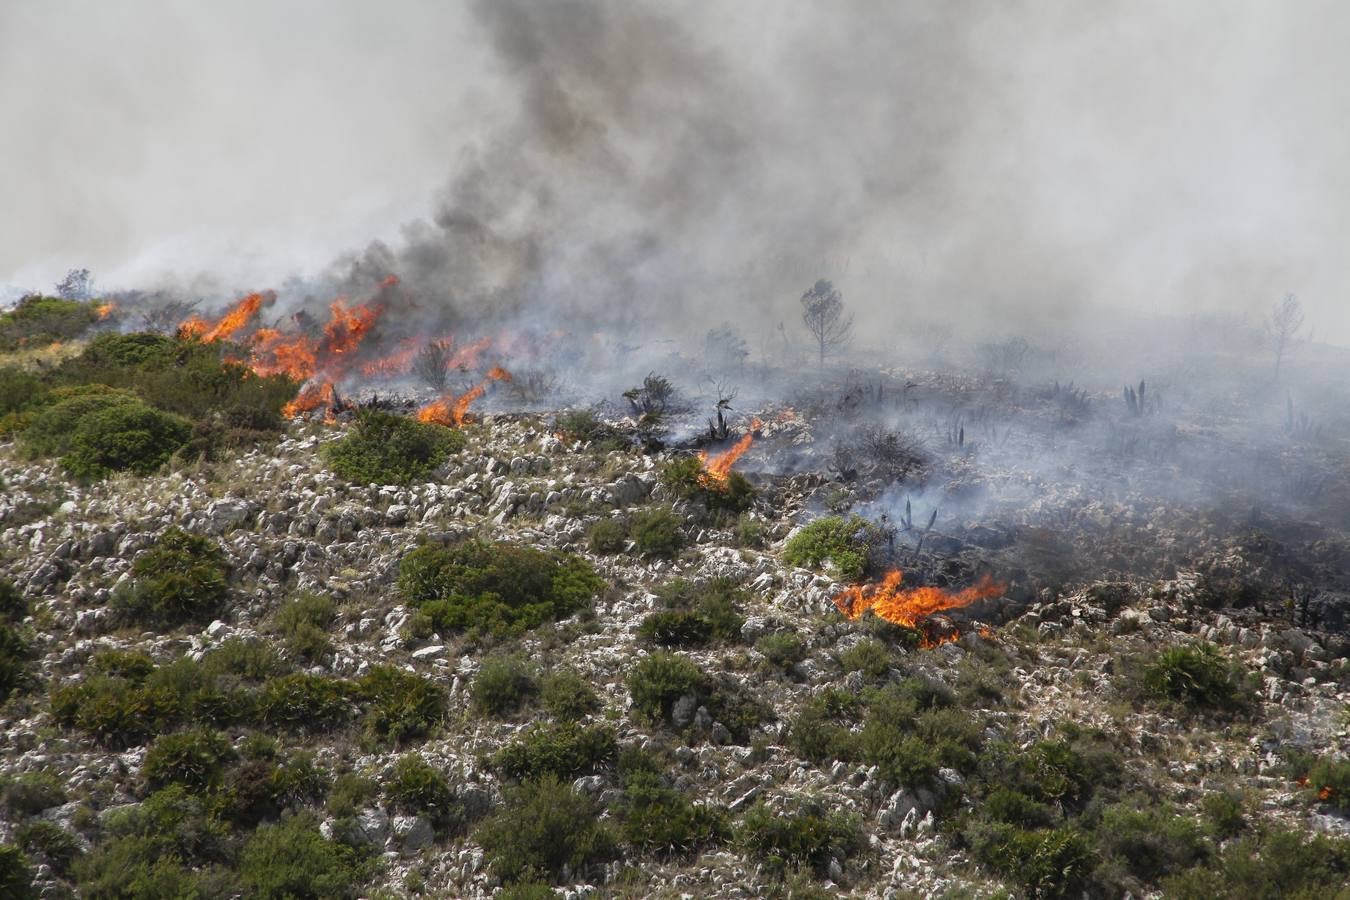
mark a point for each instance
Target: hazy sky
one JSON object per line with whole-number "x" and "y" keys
{"x": 998, "y": 161}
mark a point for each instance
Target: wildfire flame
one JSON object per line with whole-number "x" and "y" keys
{"x": 454, "y": 411}
{"x": 235, "y": 320}
{"x": 103, "y": 310}
{"x": 910, "y": 606}
{"x": 717, "y": 469}
{"x": 311, "y": 398}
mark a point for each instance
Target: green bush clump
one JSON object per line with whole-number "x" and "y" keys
{"x": 13, "y": 606}
{"x": 194, "y": 758}
{"x": 1046, "y": 862}
{"x": 264, "y": 784}
{"x": 302, "y": 701}
{"x": 1273, "y": 865}
{"x": 869, "y": 657}
{"x": 15, "y": 654}
{"x": 38, "y": 320}
{"x": 303, "y": 624}
{"x": 782, "y": 650}
{"x": 660, "y": 679}
{"x": 658, "y": 818}
{"x": 1223, "y": 815}
{"x": 16, "y": 876}
{"x": 51, "y": 430}
{"x": 565, "y": 751}
{"x": 54, "y": 844}
{"x": 30, "y": 793}
{"x": 350, "y": 794}
{"x": 607, "y": 537}
{"x": 656, "y": 533}
{"x": 543, "y": 827}
{"x": 844, "y": 544}
{"x": 291, "y": 860}
{"x": 1197, "y": 677}
{"x": 500, "y": 589}
{"x": 675, "y": 628}
{"x": 806, "y": 837}
{"x": 130, "y": 437}
{"x": 503, "y": 685}
{"x": 180, "y": 578}
{"x": 417, "y": 788}
{"x": 585, "y": 425}
{"x": 1329, "y": 781}
{"x": 1139, "y": 846}
{"x": 567, "y": 696}
{"x": 385, "y": 448}
{"x": 821, "y": 730}
{"x": 401, "y": 706}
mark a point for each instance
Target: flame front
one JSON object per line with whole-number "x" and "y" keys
{"x": 103, "y": 310}
{"x": 454, "y": 411}
{"x": 311, "y": 398}
{"x": 717, "y": 469}
{"x": 910, "y": 606}
{"x": 235, "y": 320}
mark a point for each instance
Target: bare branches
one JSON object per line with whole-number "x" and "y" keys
{"x": 432, "y": 363}
{"x": 823, "y": 315}
{"x": 1283, "y": 324}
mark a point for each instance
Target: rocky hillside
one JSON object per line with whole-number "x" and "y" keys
{"x": 544, "y": 667}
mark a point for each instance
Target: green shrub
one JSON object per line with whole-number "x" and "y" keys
{"x": 16, "y": 877}
{"x": 869, "y": 657}
{"x": 709, "y": 607}
{"x": 606, "y": 536}
{"x": 58, "y": 846}
{"x": 292, "y": 861}
{"x": 503, "y": 685}
{"x": 15, "y": 654}
{"x": 1197, "y": 677}
{"x": 124, "y": 437}
{"x": 52, "y": 430}
{"x": 782, "y": 650}
{"x": 385, "y": 448}
{"x": 1329, "y": 781}
{"x": 351, "y": 793}
{"x": 564, "y": 751}
{"x": 820, "y": 731}
{"x": 130, "y": 664}
{"x": 302, "y": 701}
{"x": 661, "y": 678}
{"x": 805, "y": 837}
{"x": 845, "y": 544}
{"x": 526, "y": 890}
{"x": 13, "y": 606}
{"x": 1223, "y": 815}
{"x": 543, "y": 827}
{"x": 1046, "y": 862}
{"x": 193, "y": 758}
{"x": 1150, "y": 843}
{"x": 180, "y": 578}
{"x": 675, "y": 628}
{"x": 249, "y": 659}
{"x": 567, "y": 696}
{"x": 657, "y": 818}
{"x": 656, "y": 533}
{"x": 1275, "y": 865}
{"x": 303, "y": 624}
{"x": 417, "y": 788}
{"x": 262, "y": 786}
{"x": 30, "y": 793}
{"x": 498, "y": 588}
{"x": 401, "y": 706}
{"x": 38, "y": 320}
{"x": 585, "y": 425}
{"x": 687, "y": 480}
{"x": 19, "y": 390}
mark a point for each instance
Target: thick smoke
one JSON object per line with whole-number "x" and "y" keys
{"x": 639, "y": 164}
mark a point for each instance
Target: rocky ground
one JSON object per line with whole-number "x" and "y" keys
{"x": 1053, "y": 650}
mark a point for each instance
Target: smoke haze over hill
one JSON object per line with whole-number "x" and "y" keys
{"x": 634, "y": 163}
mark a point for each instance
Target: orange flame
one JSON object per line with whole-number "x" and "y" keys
{"x": 103, "y": 310}
{"x": 396, "y": 363}
{"x": 454, "y": 411}
{"x": 909, "y": 606}
{"x": 717, "y": 469}
{"x": 310, "y": 398}
{"x": 1326, "y": 793}
{"x": 236, "y": 318}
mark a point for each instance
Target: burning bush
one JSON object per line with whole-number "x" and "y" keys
{"x": 688, "y": 478}
{"x": 846, "y": 545}
{"x": 384, "y": 448}
{"x": 498, "y": 589}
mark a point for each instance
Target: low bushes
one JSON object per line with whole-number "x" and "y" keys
{"x": 564, "y": 751}
{"x": 385, "y": 448}
{"x": 1272, "y": 865}
{"x": 656, "y": 533}
{"x": 1046, "y": 862}
{"x": 291, "y": 860}
{"x": 38, "y": 320}
{"x": 130, "y": 437}
{"x": 696, "y": 614}
{"x": 607, "y": 536}
{"x": 417, "y": 788}
{"x": 657, "y": 818}
{"x": 500, "y": 589}
{"x": 16, "y": 875}
{"x": 303, "y": 624}
{"x": 1196, "y": 677}
{"x": 687, "y": 479}
{"x": 805, "y": 837}
{"x": 180, "y": 578}
{"x": 567, "y": 696}
{"x": 504, "y": 685}
{"x": 543, "y": 827}
{"x": 194, "y": 758}
{"x": 844, "y": 544}
{"x": 660, "y": 679}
